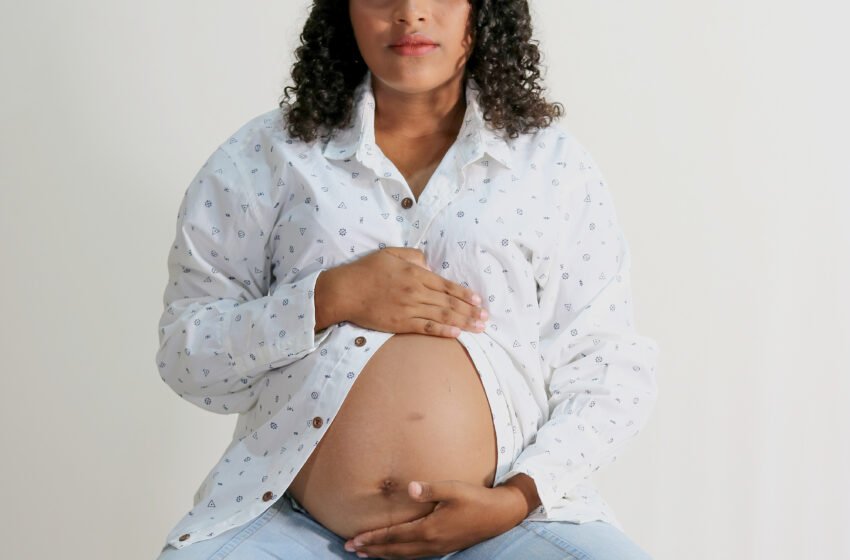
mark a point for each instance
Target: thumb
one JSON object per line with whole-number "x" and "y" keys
{"x": 430, "y": 491}
{"x": 411, "y": 255}
{"x": 419, "y": 258}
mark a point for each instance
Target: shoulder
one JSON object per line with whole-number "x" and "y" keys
{"x": 261, "y": 135}
{"x": 561, "y": 144}
{"x": 561, "y": 163}
{"x": 552, "y": 149}
{"x": 262, "y": 150}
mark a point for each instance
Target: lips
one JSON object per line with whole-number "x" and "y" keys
{"x": 413, "y": 39}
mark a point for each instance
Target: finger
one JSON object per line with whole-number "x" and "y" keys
{"x": 444, "y": 315}
{"x": 443, "y": 285}
{"x": 409, "y": 531}
{"x": 402, "y": 550}
{"x": 443, "y": 491}
{"x": 433, "y": 328}
{"x": 449, "y": 294}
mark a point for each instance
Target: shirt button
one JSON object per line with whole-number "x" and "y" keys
{"x": 360, "y": 340}
{"x": 267, "y": 496}
{"x": 317, "y": 422}
{"x": 406, "y": 202}
{"x": 184, "y": 537}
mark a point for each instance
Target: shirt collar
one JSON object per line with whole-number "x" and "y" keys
{"x": 473, "y": 140}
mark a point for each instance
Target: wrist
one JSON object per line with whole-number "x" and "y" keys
{"x": 525, "y": 490}
{"x": 325, "y": 299}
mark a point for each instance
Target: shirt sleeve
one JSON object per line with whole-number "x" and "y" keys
{"x": 221, "y": 330}
{"x": 599, "y": 373}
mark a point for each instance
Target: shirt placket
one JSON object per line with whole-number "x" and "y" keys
{"x": 445, "y": 184}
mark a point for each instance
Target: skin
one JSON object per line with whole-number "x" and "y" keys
{"x": 416, "y": 97}
{"x": 420, "y": 103}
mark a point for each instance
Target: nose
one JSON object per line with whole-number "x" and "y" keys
{"x": 410, "y": 10}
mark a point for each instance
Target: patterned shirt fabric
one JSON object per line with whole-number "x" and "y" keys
{"x": 528, "y": 223}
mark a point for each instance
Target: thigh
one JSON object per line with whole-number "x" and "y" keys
{"x": 284, "y": 531}
{"x": 556, "y": 540}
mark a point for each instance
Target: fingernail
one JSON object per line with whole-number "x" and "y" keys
{"x": 349, "y": 547}
{"x": 358, "y": 542}
{"x": 476, "y": 298}
{"x": 361, "y": 555}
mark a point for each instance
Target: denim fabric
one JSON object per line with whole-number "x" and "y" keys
{"x": 286, "y": 531}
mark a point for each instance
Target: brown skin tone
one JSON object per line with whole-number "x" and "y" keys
{"x": 419, "y": 100}
{"x": 395, "y": 292}
{"x": 419, "y": 108}
{"x": 416, "y": 97}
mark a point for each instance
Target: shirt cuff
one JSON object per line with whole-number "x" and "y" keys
{"x": 277, "y": 329}
{"x": 551, "y": 486}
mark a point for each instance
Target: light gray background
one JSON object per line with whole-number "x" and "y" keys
{"x": 721, "y": 128}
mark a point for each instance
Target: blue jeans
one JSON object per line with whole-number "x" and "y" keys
{"x": 286, "y": 531}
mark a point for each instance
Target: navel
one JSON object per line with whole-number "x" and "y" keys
{"x": 387, "y": 487}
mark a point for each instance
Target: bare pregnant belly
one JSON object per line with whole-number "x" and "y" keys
{"x": 417, "y": 411}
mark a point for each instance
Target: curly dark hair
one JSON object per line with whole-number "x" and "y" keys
{"x": 503, "y": 67}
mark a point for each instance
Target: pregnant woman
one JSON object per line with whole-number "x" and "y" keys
{"x": 412, "y": 289}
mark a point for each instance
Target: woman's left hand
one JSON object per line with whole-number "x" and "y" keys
{"x": 465, "y": 515}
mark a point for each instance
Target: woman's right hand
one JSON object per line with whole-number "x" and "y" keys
{"x": 393, "y": 290}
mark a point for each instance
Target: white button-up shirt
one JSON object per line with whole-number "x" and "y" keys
{"x": 527, "y": 223}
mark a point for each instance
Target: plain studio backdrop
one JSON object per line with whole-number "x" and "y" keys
{"x": 722, "y": 131}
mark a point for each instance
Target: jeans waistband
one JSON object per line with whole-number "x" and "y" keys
{"x": 295, "y": 505}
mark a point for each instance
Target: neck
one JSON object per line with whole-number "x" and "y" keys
{"x": 415, "y": 116}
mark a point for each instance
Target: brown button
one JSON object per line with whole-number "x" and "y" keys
{"x": 360, "y": 340}
{"x": 317, "y": 422}
{"x": 184, "y": 537}
{"x": 267, "y": 496}
{"x": 406, "y": 202}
